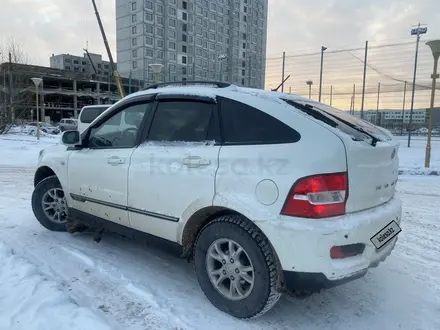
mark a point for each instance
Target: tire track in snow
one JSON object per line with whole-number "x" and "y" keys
{"x": 143, "y": 288}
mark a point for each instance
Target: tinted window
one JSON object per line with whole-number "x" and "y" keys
{"x": 90, "y": 114}
{"x": 181, "y": 121}
{"x": 243, "y": 124}
{"x": 121, "y": 129}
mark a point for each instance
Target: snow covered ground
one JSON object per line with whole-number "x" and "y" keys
{"x": 412, "y": 160}
{"x": 62, "y": 281}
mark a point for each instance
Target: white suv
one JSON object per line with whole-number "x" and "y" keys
{"x": 268, "y": 193}
{"x": 88, "y": 114}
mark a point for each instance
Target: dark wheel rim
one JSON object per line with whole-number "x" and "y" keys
{"x": 230, "y": 269}
{"x": 55, "y": 205}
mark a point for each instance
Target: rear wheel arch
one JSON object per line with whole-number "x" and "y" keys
{"x": 42, "y": 173}
{"x": 203, "y": 217}
{"x": 196, "y": 222}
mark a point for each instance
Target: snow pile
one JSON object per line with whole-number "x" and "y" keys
{"x": 29, "y": 130}
{"x": 29, "y": 301}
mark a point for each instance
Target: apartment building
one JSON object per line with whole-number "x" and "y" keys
{"x": 90, "y": 64}
{"x": 393, "y": 118}
{"x": 193, "y": 39}
{"x": 390, "y": 116}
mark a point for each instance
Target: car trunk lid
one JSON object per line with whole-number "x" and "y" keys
{"x": 372, "y": 160}
{"x": 372, "y": 174}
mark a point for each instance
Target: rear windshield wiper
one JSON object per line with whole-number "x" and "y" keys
{"x": 323, "y": 114}
{"x": 374, "y": 139}
{"x": 308, "y": 109}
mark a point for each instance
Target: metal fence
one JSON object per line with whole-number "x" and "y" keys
{"x": 390, "y": 66}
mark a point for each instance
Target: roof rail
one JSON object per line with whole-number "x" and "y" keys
{"x": 219, "y": 84}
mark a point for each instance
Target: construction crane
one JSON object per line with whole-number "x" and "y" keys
{"x": 90, "y": 59}
{"x": 109, "y": 53}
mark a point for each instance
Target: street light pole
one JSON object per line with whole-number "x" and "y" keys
{"x": 331, "y": 94}
{"x": 377, "y": 107}
{"x": 310, "y": 83}
{"x": 221, "y": 58}
{"x": 417, "y": 31}
{"x": 282, "y": 73}
{"x": 363, "y": 82}
{"x": 323, "y": 49}
{"x": 157, "y": 69}
{"x": 37, "y": 82}
{"x": 403, "y": 109}
{"x": 435, "y": 48}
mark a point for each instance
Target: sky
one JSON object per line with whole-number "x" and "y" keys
{"x": 43, "y": 27}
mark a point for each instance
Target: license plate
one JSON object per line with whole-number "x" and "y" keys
{"x": 386, "y": 234}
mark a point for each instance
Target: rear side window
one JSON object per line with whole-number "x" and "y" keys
{"x": 90, "y": 114}
{"x": 356, "y": 128}
{"x": 187, "y": 121}
{"x": 243, "y": 124}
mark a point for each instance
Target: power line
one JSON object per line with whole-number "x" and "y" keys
{"x": 386, "y": 75}
{"x": 340, "y": 51}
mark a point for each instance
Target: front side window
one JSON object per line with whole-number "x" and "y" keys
{"x": 121, "y": 129}
{"x": 187, "y": 121}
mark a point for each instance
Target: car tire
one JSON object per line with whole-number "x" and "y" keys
{"x": 62, "y": 128}
{"x": 49, "y": 204}
{"x": 44, "y": 130}
{"x": 250, "y": 300}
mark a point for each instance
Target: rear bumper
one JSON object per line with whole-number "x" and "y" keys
{"x": 303, "y": 245}
{"x": 314, "y": 282}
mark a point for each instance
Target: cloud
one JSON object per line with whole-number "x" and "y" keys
{"x": 64, "y": 26}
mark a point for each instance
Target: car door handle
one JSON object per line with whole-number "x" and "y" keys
{"x": 115, "y": 160}
{"x": 195, "y": 161}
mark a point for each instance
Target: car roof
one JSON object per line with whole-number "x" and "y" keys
{"x": 211, "y": 91}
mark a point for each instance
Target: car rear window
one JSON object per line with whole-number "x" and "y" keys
{"x": 90, "y": 114}
{"x": 355, "y": 127}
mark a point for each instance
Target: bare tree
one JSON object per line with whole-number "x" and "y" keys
{"x": 13, "y": 89}
{"x": 15, "y": 48}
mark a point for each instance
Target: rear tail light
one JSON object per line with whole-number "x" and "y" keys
{"x": 317, "y": 196}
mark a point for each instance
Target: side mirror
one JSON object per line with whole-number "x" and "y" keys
{"x": 71, "y": 138}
